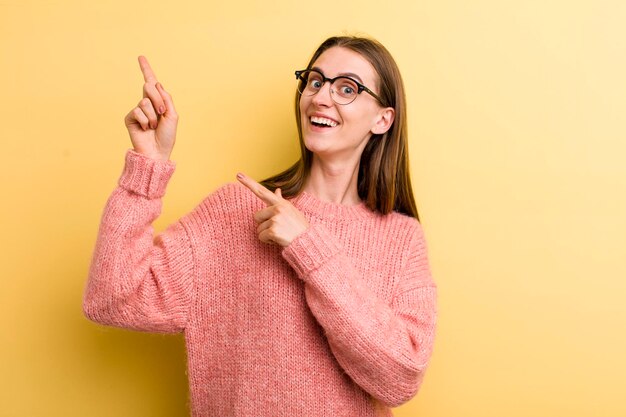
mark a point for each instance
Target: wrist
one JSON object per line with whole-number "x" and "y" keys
{"x": 154, "y": 155}
{"x": 145, "y": 176}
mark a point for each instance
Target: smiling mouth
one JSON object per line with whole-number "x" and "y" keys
{"x": 322, "y": 122}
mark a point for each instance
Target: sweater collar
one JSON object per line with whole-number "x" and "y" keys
{"x": 309, "y": 203}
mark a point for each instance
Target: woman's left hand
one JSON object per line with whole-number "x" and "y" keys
{"x": 280, "y": 222}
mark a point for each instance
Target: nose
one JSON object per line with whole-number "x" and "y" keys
{"x": 322, "y": 97}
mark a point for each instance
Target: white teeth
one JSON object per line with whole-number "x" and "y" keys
{"x": 323, "y": 121}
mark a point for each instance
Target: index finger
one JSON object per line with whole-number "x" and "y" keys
{"x": 263, "y": 193}
{"x": 146, "y": 70}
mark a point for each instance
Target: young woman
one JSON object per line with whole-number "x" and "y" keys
{"x": 307, "y": 295}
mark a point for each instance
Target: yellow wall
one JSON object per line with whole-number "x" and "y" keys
{"x": 517, "y": 113}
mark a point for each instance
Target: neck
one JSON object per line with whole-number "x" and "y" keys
{"x": 333, "y": 181}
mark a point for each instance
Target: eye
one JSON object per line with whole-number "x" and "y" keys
{"x": 347, "y": 87}
{"x": 316, "y": 84}
{"x": 315, "y": 81}
{"x": 347, "y": 90}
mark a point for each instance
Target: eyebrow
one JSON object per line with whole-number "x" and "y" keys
{"x": 342, "y": 74}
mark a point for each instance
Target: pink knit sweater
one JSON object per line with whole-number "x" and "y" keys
{"x": 339, "y": 323}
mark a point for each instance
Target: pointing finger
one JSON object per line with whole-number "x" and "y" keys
{"x": 263, "y": 193}
{"x": 146, "y": 70}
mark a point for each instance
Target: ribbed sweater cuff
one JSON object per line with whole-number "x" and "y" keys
{"x": 310, "y": 250}
{"x": 146, "y": 176}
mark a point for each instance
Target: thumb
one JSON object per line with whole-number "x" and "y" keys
{"x": 278, "y": 193}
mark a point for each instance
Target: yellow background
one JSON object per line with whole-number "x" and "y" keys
{"x": 516, "y": 111}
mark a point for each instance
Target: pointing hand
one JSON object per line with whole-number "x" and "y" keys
{"x": 280, "y": 222}
{"x": 152, "y": 124}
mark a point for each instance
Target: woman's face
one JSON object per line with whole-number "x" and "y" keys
{"x": 344, "y": 129}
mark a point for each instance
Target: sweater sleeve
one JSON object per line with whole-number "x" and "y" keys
{"x": 137, "y": 281}
{"x": 384, "y": 347}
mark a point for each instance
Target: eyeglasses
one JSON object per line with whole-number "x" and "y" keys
{"x": 311, "y": 81}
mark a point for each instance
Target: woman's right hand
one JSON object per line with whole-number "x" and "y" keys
{"x": 152, "y": 124}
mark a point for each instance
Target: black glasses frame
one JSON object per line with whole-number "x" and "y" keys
{"x": 360, "y": 87}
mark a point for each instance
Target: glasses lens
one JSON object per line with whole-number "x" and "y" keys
{"x": 345, "y": 90}
{"x": 310, "y": 82}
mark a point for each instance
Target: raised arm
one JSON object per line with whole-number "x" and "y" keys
{"x": 135, "y": 280}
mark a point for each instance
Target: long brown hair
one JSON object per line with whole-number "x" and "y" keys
{"x": 383, "y": 181}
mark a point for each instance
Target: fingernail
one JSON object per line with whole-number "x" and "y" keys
{"x": 240, "y": 175}
{"x": 161, "y": 110}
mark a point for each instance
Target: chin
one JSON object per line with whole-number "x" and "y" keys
{"x": 316, "y": 145}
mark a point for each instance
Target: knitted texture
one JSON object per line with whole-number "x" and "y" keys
{"x": 339, "y": 323}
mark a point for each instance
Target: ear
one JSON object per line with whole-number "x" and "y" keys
{"x": 383, "y": 121}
